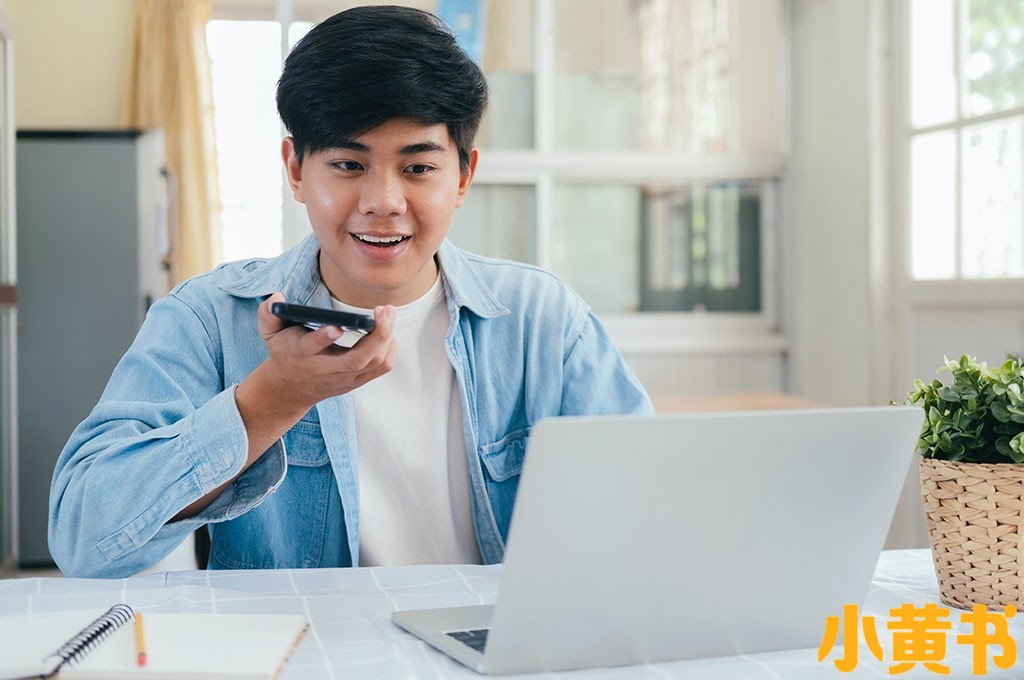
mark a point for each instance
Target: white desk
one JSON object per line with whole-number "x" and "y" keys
{"x": 352, "y": 636}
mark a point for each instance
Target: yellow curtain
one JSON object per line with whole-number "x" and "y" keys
{"x": 171, "y": 90}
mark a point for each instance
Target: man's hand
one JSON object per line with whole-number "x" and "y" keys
{"x": 305, "y": 367}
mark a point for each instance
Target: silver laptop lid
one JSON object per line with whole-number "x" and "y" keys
{"x": 642, "y": 539}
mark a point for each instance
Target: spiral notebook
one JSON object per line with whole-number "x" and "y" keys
{"x": 102, "y": 645}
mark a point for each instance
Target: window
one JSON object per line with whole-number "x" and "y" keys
{"x": 633, "y": 147}
{"x": 966, "y": 139}
{"x": 245, "y": 60}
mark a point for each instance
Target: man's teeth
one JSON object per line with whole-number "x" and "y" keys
{"x": 386, "y": 240}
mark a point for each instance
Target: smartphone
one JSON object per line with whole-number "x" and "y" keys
{"x": 355, "y": 326}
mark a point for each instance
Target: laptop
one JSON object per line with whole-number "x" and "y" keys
{"x": 657, "y": 538}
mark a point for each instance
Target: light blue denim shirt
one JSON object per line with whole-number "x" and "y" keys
{"x": 167, "y": 431}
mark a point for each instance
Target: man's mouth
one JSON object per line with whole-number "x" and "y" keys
{"x": 381, "y": 241}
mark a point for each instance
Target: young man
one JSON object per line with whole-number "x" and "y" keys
{"x": 405, "y": 448}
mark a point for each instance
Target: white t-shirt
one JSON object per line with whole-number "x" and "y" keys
{"x": 414, "y": 505}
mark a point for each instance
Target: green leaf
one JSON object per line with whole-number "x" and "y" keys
{"x": 1017, "y": 448}
{"x": 978, "y": 416}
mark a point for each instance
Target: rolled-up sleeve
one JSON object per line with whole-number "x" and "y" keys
{"x": 165, "y": 433}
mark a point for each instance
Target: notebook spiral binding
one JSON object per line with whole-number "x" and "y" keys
{"x": 92, "y": 635}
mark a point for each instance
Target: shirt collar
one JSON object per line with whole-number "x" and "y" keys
{"x": 464, "y": 286}
{"x": 296, "y": 273}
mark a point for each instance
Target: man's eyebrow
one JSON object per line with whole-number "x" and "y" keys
{"x": 351, "y": 145}
{"x": 421, "y": 147}
{"x": 407, "y": 150}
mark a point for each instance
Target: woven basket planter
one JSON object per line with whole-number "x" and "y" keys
{"x": 975, "y": 515}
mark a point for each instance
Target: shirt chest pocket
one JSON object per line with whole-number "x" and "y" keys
{"x": 288, "y": 529}
{"x": 502, "y": 462}
{"x": 304, "y": 444}
{"x": 504, "y": 458}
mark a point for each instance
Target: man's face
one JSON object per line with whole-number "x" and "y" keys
{"x": 381, "y": 206}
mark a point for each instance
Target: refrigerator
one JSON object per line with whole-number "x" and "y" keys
{"x": 92, "y": 249}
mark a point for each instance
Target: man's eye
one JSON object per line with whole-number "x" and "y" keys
{"x": 349, "y": 166}
{"x": 420, "y": 169}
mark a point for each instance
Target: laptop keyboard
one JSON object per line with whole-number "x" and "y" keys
{"x": 477, "y": 639}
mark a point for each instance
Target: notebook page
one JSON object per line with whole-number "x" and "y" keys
{"x": 25, "y": 643}
{"x": 197, "y": 646}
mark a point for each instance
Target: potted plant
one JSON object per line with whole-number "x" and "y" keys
{"x": 972, "y": 480}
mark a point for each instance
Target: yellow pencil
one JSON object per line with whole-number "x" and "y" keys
{"x": 140, "y": 640}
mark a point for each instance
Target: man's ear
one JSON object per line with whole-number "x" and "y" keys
{"x": 466, "y": 178}
{"x": 292, "y": 167}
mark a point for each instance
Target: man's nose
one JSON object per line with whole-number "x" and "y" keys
{"x": 382, "y": 195}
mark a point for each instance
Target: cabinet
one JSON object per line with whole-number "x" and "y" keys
{"x": 91, "y": 215}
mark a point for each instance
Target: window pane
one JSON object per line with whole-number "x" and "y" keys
{"x": 994, "y": 63}
{"x": 993, "y": 210}
{"x": 497, "y": 221}
{"x": 932, "y": 64}
{"x": 702, "y": 246}
{"x": 933, "y": 205}
{"x": 691, "y": 76}
{"x": 595, "y": 244}
{"x": 660, "y": 248}
{"x": 297, "y": 30}
{"x": 508, "y": 65}
{"x": 245, "y": 58}
{"x": 597, "y": 89}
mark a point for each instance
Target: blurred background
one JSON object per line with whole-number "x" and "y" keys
{"x": 770, "y": 203}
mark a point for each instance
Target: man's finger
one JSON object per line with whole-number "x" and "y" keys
{"x": 266, "y": 322}
{"x": 386, "y": 363}
{"x": 314, "y": 342}
{"x": 384, "y": 318}
{"x": 372, "y": 348}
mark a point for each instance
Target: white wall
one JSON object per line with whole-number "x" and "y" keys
{"x": 72, "y": 62}
{"x": 826, "y": 260}
{"x": 837, "y": 299}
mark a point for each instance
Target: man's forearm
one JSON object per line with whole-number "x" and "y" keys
{"x": 266, "y": 415}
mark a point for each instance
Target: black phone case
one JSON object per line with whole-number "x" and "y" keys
{"x": 301, "y": 314}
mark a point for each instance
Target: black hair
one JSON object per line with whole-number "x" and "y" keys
{"x": 367, "y": 65}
